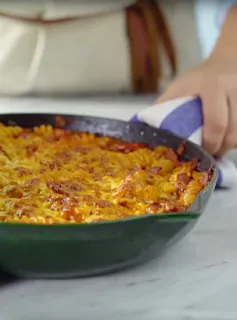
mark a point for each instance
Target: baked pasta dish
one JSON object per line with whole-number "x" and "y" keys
{"x": 54, "y": 176}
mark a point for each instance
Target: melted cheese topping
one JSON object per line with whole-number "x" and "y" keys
{"x": 50, "y": 176}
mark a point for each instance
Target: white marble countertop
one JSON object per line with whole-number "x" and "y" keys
{"x": 112, "y": 107}
{"x": 195, "y": 279}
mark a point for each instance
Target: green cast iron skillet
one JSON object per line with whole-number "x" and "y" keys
{"x": 77, "y": 250}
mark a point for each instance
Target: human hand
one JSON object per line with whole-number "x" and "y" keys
{"x": 215, "y": 82}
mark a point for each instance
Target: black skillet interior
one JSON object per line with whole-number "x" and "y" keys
{"x": 131, "y": 132}
{"x": 127, "y": 131}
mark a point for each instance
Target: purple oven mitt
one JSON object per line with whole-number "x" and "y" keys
{"x": 184, "y": 118}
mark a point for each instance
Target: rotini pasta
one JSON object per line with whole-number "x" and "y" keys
{"x": 53, "y": 176}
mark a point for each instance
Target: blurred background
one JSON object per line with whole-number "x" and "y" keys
{"x": 120, "y": 53}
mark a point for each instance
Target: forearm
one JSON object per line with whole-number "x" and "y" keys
{"x": 227, "y": 41}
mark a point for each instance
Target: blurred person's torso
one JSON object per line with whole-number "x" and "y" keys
{"x": 90, "y": 53}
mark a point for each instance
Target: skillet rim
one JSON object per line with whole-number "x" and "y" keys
{"x": 193, "y": 212}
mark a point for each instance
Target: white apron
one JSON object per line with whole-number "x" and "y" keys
{"x": 87, "y": 55}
